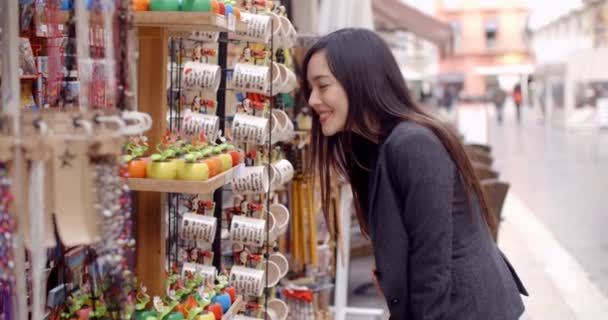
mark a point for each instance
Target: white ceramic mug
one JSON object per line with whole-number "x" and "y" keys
{"x": 201, "y": 76}
{"x": 251, "y": 78}
{"x": 248, "y": 231}
{"x": 258, "y": 29}
{"x": 198, "y": 227}
{"x": 251, "y": 180}
{"x": 285, "y": 170}
{"x": 195, "y": 123}
{"x": 273, "y": 272}
{"x": 280, "y": 123}
{"x": 281, "y": 215}
{"x": 247, "y": 281}
{"x": 258, "y": 78}
{"x": 208, "y": 272}
{"x": 281, "y": 261}
{"x": 287, "y": 36}
{"x": 250, "y": 129}
{"x": 291, "y": 83}
{"x": 279, "y": 307}
{"x": 277, "y": 31}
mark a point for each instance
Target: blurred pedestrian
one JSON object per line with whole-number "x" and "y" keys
{"x": 498, "y": 97}
{"x": 518, "y": 99}
{"x": 415, "y": 191}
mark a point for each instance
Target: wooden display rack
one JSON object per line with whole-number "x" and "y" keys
{"x": 154, "y": 30}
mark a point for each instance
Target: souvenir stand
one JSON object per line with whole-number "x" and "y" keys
{"x": 198, "y": 85}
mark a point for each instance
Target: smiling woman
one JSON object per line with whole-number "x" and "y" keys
{"x": 415, "y": 190}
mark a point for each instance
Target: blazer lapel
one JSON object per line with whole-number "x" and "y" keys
{"x": 374, "y": 181}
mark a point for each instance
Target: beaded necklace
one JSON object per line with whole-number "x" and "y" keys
{"x": 7, "y": 257}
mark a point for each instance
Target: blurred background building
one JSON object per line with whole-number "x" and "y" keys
{"x": 571, "y": 76}
{"x": 490, "y": 46}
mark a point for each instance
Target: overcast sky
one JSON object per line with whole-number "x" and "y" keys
{"x": 543, "y": 11}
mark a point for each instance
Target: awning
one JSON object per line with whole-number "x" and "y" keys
{"x": 450, "y": 77}
{"x": 338, "y": 14}
{"x": 391, "y": 15}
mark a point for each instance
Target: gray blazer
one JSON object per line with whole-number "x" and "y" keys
{"x": 435, "y": 257}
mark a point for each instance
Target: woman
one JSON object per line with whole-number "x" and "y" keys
{"x": 415, "y": 190}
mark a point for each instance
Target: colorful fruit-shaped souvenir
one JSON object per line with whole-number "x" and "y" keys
{"x": 231, "y": 291}
{"x": 222, "y": 8}
{"x": 196, "y": 5}
{"x": 223, "y": 300}
{"x": 206, "y": 316}
{"x": 141, "y": 5}
{"x": 215, "y": 6}
{"x": 164, "y": 5}
{"x": 236, "y": 156}
{"x": 216, "y": 309}
{"x": 137, "y": 168}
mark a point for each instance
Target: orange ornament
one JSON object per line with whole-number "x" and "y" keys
{"x": 214, "y": 166}
{"x": 215, "y": 6}
{"x": 141, "y": 5}
{"x": 237, "y": 13}
{"x": 216, "y": 309}
{"x": 137, "y": 168}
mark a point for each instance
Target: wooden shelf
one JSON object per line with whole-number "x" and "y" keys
{"x": 178, "y": 21}
{"x": 185, "y": 21}
{"x": 234, "y": 309}
{"x": 181, "y": 186}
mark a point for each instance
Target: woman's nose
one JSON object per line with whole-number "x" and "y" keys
{"x": 314, "y": 99}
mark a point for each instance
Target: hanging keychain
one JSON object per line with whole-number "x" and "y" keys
{"x": 37, "y": 221}
{"x": 7, "y": 228}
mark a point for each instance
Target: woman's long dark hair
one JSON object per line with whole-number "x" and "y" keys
{"x": 365, "y": 67}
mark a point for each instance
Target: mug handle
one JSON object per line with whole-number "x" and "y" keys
{"x": 114, "y": 119}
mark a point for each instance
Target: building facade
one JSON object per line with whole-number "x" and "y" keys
{"x": 571, "y": 77}
{"x": 490, "y": 46}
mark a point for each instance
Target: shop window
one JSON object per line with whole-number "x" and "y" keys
{"x": 456, "y": 35}
{"x": 491, "y": 33}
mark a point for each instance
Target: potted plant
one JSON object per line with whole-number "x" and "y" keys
{"x": 136, "y": 164}
{"x": 194, "y": 169}
{"x": 142, "y": 298}
{"x": 225, "y": 159}
{"x": 214, "y": 163}
{"x": 234, "y": 154}
{"x": 76, "y": 307}
{"x": 161, "y": 165}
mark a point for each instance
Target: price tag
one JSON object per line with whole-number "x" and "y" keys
{"x": 231, "y": 22}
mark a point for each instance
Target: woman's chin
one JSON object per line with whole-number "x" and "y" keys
{"x": 328, "y": 132}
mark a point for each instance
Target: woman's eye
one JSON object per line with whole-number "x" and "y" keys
{"x": 323, "y": 86}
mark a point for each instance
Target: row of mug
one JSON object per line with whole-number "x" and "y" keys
{"x": 243, "y": 230}
{"x": 269, "y": 28}
{"x": 266, "y": 80}
{"x": 245, "y": 128}
{"x": 261, "y": 179}
{"x": 251, "y": 282}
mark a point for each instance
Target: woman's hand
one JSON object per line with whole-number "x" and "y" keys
{"x": 375, "y": 280}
